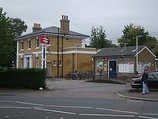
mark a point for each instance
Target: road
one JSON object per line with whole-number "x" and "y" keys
{"x": 75, "y": 100}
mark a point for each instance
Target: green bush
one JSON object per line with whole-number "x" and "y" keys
{"x": 23, "y": 78}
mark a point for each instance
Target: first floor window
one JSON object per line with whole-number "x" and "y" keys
{"x": 37, "y": 42}
{"x": 60, "y": 62}
{"x": 22, "y": 45}
{"x": 55, "y": 63}
{"x": 29, "y": 44}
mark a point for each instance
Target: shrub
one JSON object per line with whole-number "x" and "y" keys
{"x": 23, "y": 78}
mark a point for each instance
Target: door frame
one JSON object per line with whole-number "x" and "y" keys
{"x": 112, "y": 60}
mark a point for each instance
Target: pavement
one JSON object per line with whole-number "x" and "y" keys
{"x": 135, "y": 94}
{"x": 128, "y": 93}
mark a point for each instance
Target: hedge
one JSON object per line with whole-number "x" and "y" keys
{"x": 23, "y": 78}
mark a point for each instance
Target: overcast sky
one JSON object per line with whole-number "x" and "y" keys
{"x": 113, "y": 15}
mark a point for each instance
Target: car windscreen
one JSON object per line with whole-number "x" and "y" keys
{"x": 153, "y": 75}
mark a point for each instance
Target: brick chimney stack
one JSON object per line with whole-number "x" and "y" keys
{"x": 36, "y": 27}
{"x": 64, "y": 24}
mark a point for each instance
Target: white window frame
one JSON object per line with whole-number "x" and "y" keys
{"x": 60, "y": 62}
{"x": 37, "y": 42}
{"x": 29, "y": 44}
{"x": 55, "y": 62}
{"x": 22, "y": 45}
{"x": 28, "y": 61}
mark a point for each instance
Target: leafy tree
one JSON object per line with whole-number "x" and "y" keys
{"x": 18, "y": 27}
{"x": 6, "y": 40}
{"x": 9, "y": 29}
{"x": 152, "y": 44}
{"x": 129, "y": 37}
{"x": 98, "y": 38}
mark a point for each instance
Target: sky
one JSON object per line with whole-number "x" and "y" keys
{"x": 113, "y": 15}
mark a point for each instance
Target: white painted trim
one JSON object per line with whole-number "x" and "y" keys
{"x": 17, "y": 54}
{"x": 66, "y": 52}
{"x": 30, "y": 64}
{"x": 147, "y": 49}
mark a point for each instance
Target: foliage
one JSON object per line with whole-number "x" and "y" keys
{"x": 130, "y": 32}
{"x": 9, "y": 29}
{"x": 98, "y": 38}
{"x": 129, "y": 35}
{"x": 6, "y": 40}
{"x": 18, "y": 26}
{"x": 23, "y": 78}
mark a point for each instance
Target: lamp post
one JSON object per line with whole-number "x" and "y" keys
{"x": 137, "y": 51}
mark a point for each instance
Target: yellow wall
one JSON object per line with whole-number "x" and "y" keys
{"x": 70, "y": 63}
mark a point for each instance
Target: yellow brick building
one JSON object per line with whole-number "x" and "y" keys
{"x": 65, "y": 53}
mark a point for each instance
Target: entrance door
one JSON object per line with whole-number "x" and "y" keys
{"x": 48, "y": 69}
{"x": 112, "y": 69}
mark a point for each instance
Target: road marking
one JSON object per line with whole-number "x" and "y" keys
{"x": 63, "y": 112}
{"x": 29, "y": 103}
{"x": 118, "y": 111}
{"x": 5, "y": 107}
{"x": 5, "y": 101}
{"x": 70, "y": 106}
{"x": 106, "y": 115}
{"x": 144, "y": 117}
{"x": 150, "y": 114}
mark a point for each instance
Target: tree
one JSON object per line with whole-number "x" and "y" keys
{"x": 129, "y": 37}
{"x": 98, "y": 38}
{"x": 18, "y": 27}
{"x": 6, "y": 40}
{"x": 9, "y": 29}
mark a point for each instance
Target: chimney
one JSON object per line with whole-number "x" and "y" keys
{"x": 36, "y": 27}
{"x": 64, "y": 24}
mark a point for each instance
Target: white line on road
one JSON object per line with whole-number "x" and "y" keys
{"x": 107, "y": 115}
{"x": 48, "y": 110}
{"x": 118, "y": 111}
{"x": 29, "y": 103}
{"x": 5, "y": 101}
{"x": 69, "y": 106}
{"x": 6, "y": 107}
{"x": 144, "y": 117}
{"x": 150, "y": 114}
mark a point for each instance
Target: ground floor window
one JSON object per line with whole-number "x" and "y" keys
{"x": 28, "y": 61}
{"x": 126, "y": 67}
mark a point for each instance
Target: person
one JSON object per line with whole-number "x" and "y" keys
{"x": 145, "y": 89}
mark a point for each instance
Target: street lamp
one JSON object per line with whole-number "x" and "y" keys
{"x": 137, "y": 51}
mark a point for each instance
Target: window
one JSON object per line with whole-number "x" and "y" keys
{"x": 29, "y": 44}
{"x": 37, "y": 62}
{"x": 22, "y": 45}
{"x": 126, "y": 67}
{"x": 60, "y": 62}
{"x": 27, "y": 62}
{"x": 37, "y": 42}
{"x": 55, "y": 63}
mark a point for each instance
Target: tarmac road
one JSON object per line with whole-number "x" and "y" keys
{"x": 70, "y": 99}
